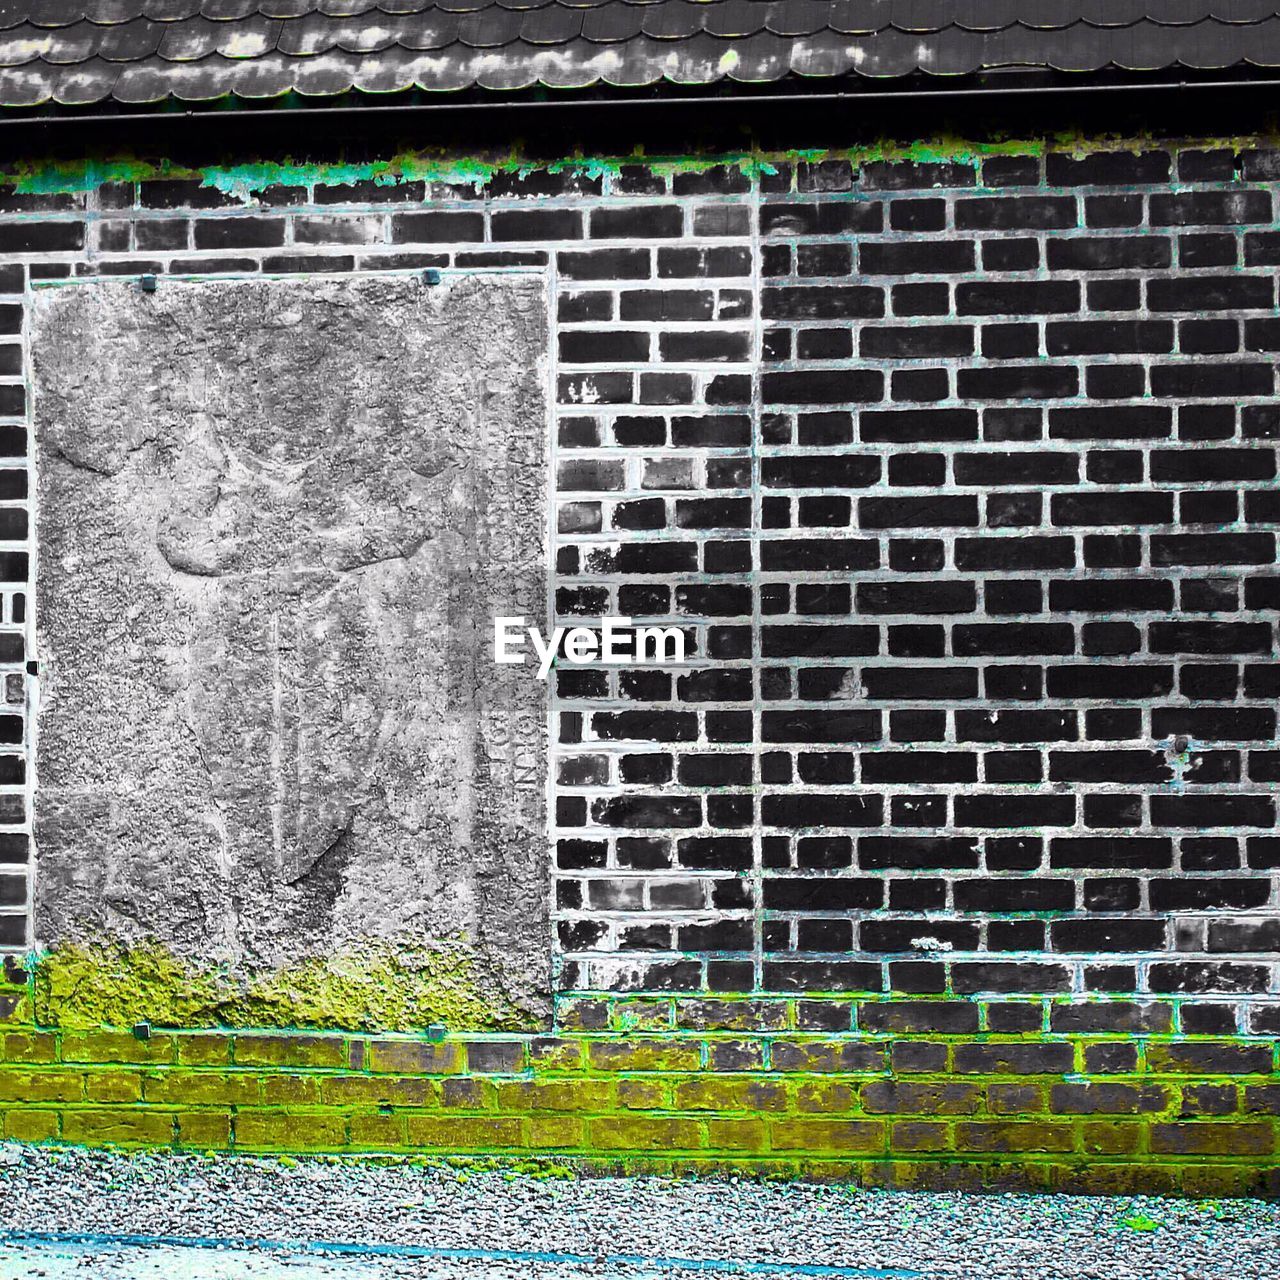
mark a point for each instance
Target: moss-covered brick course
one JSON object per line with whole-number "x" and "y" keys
{"x": 919, "y": 1096}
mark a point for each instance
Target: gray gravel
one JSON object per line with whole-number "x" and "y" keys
{"x": 274, "y": 1218}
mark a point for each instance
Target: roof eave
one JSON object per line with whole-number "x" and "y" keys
{"x": 990, "y": 85}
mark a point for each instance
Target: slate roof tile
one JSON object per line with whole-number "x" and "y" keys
{"x": 796, "y": 17}
{"x": 146, "y": 51}
{"x": 489, "y": 28}
{"x": 74, "y": 44}
{"x": 218, "y": 10}
{"x": 675, "y": 20}
{"x": 344, "y": 8}
{"x": 611, "y": 23}
{"x": 172, "y": 10}
{"x": 132, "y": 41}
{"x": 553, "y": 24}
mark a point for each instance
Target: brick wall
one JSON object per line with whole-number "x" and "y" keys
{"x": 945, "y": 1094}
{"x": 974, "y": 530}
{"x": 960, "y": 477}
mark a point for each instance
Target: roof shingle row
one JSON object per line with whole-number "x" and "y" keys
{"x": 139, "y": 51}
{"x": 849, "y": 15}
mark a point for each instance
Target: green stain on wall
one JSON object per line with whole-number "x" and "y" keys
{"x": 245, "y": 181}
{"x": 1038, "y": 1110}
{"x": 60, "y": 177}
{"x": 380, "y": 987}
{"x": 826, "y": 1107}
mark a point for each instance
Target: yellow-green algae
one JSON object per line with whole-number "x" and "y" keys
{"x": 245, "y": 181}
{"x": 380, "y": 987}
{"x": 1141, "y": 1222}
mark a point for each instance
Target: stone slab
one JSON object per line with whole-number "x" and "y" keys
{"x": 276, "y": 520}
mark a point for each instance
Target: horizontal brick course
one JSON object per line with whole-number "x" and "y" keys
{"x": 950, "y": 1100}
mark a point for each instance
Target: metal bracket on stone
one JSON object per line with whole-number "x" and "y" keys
{"x": 431, "y": 276}
{"x": 147, "y": 284}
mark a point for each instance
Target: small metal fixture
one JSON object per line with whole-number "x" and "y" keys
{"x": 431, "y": 275}
{"x": 436, "y": 1031}
{"x": 142, "y": 1031}
{"x": 33, "y": 667}
{"x": 147, "y": 284}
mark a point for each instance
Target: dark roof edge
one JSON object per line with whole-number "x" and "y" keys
{"x": 987, "y": 88}
{"x": 825, "y": 116}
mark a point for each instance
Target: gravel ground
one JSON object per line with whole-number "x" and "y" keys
{"x": 268, "y": 1219}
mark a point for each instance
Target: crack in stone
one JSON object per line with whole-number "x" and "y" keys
{"x": 405, "y": 554}
{"x": 332, "y": 847}
{"x": 81, "y": 464}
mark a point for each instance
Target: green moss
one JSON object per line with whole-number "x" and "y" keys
{"x": 59, "y": 177}
{"x": 944, "y": 149}
{"x": 379, "y": 988}
{"x": 245, "y": 181}
{"x": 644, "y": 1110}
{"x": 1140, "y": 1222}
{"x": 530, "y": 1168}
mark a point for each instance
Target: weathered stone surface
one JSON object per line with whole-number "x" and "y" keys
{"x": 276, "y": 520}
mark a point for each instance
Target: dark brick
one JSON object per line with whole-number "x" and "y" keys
{"x": 1031, "y": 382}
{"x": 1106, "y": 168}
{"x": 909, "y": 426}
{"x": 1012, "y": 213}
{"x": 1211, "y": 293}
{"x": 1108, "y": 253}
{"x": 1108, "y": 337}
{"x": 1212, "y": 549}
{"x": 438, "y": 226}
{"x": 536, "y": 224}
{"x": 644, "y": 222}
{"x": 239, "y": 233}
{"x": 1031, "y": 297}
{"x": 907, "y": 175}
{"x": 793, "y": 218}
{"x": 1206, "y": 208}
{"x": 1123, "y": 422}
{"x": 810, "y": 302}
{"x": 1212, "y": 379}
{"x": 916, "y": 257}
{"x": 1134, "y": 507}
{"x": 822, "y": 386}
{"x": 587, "y": 346}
